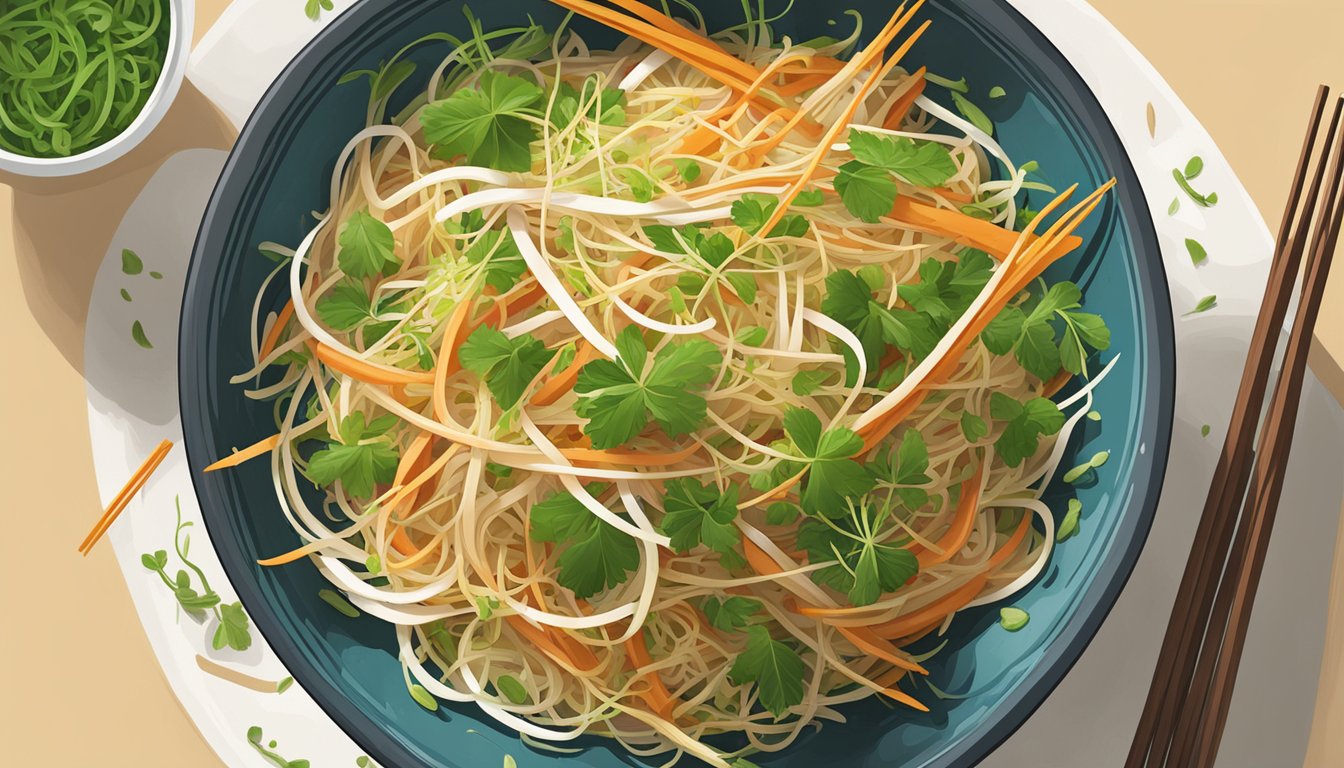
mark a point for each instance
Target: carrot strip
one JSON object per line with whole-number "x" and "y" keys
{"x": 124, "y": 496}
{"x": 657, "y": 697}
{"x": 446, "y": 364}
{"x": 292, "y": 555}
{"x": 935, "y": 611}
{"x": 569, "y": 655}
{"x": 963, "y": 523}
{"x": 272, "y": 339}
{"x": 966, "y": 230}
{"x": 900, "y": 108}
{"x": 631, "y": 458}
{"x": 516, "y": 301}
{"x": 252, "y": 451}
{"x": 866, "y": 640}
{"x": 1051, "y": 386}
{"x": 558, "y": 384}
{"x": 401, "y": 541}
{"x": 362, "y": 370}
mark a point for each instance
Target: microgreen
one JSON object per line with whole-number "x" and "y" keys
{"x": 905, "y": 466}
{"x": 366, "y": 246}
{"x": 732, "y": 613}
{"x": 867, "y": 563}
{"x": 313, "y": 8}
{"x": 695, "y": 514}
{"x": 832, "y": 474}
{"x": 952, "y": 85}
{"x": 1197, "y": 253}
{"x": 1204, "y": 305}
{"x": 383, "y": 80}
{"x": 604, "y": 106}
{"x": 256, "y": 737}
{"x": 753, "y": 210}
{"x": 973, "y": 114}
{"x": 1026, "y": 423}
{"x": 1182, "y": 181}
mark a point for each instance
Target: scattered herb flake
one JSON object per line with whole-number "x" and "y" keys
{"x": 284, "y": 684}
{"x": 1069, "y": 525}
{"x": 1013, "y": 619}
{"x": 138, "y": 335}
{"x": 1194, "y": 167}
{"x": 1093, "y": 416}
{"x": 125, "y": 295}
{"x": 1204, "y": 305}
{"x": 959, "y": 86}
{"x": 335, "y": 600}
{"x": 1174, "y": 207}
{"x": 512, "y": 689}
{"x": 423, "y": 697}
{"x": 1205, "y": 430}
{"x": 1197, "y": 253}
{"x": 130, "y": 262}
{"x": 997, "y": 92}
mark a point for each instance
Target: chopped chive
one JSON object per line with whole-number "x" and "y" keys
{"x": 1204, "y": 201}
{"x": 1013, "y": 619}
{"x": 1197, "y": 253}
{"x": 1093, "y": 416}
{"x": 1069, "y": 525}
{"x": 512, "y": 689}
{"x": 284, "y": 685}
{"x": 130, "y": 262}
{"x": 958, "y": 86}
{"x": 1205, "y": 430}
{"x": 138, "y": 335}
{"x": 1031, "y": 166}
{"x": 156, "y": 275}
{"x": 1100, "y": 458}
{"x": 125, "y": 295}
{"x": 373, "y": 564}
{"x": 424, "y": 698}
{"x": 972, "y": 113}
{"x": 1073, "y": 474}
{"x": 997, "y": 92}
{"x": 1174, "y": 207}
{"x": 339, "y": 603}
{"x": 1204, "y": 305}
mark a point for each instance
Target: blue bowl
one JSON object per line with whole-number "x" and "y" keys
{"x": 278, "y": 173}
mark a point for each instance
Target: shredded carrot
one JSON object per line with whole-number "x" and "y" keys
{"x": 405, "y": 466}
{"x": 124, "y": 496}
{"x": 966, "y": 230}
{"x": 272, "y": 339}
{"x": 517, "y": 300}
{"x": 867, "y": 641}
{"x": 293, "y": 554}
{"x": 1051, "y": 386}
{"x": 259, "y": 448}
{"x": 362, "y": 370}
{"x": 575, "y": 655}
{"x": 657, "y": 697}
{"x": 631, "y": 458}
{"x": 900, "y": 108}
{"x": 963, "y": 523}
{"x": 936, "y": 611}
{"x": 558, "y": 384}
{"x": 447, "y": 362}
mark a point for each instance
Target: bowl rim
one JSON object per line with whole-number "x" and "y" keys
{"x": 1111, "y": 573}
{"x": 181, "y": 17}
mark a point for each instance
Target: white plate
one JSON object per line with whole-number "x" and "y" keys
{"x": 1087, "y": 721}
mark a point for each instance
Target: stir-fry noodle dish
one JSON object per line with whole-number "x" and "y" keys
{"x": 672, "y": 393}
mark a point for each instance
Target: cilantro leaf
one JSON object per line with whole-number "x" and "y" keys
{"x": 833, "y": 476}
{"x": 486, "y": 124}
{"x": 776, "y": 669}
{"x": 1027, "y": 422}
{"x": 233, "y": 628}
{"x": 906, "y": 466}
{"x": 806, "y": 382}
{"x": 973, "y": 427}
{"x": 504, "y": 264}
{"x": 1002, "y": 333}
{"x": 366, "y": 246}
{"x": 753, "y": 210}
{"x": 606, "y": 107}
{"x": 618, "y": 399}
{"x": 358, "y": 464}
{"x": 866, "y": 567}
{"x": 924, "y": 164}
{"x": 868, "y": 192}
{"x": 507, "y": 365}
{"x": 732, "y": 614}
{"x": 809, "y": 198}
{"x": 695, "y": 514}
{"x": 1034, "y": 340}
{"x": 849, "y": 301}
{"x": 346, "y": 306}
{"x": 594, "y": 555}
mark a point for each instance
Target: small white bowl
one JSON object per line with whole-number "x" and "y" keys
{"x": 181, "y": 15}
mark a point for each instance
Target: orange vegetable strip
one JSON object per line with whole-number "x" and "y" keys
{"x": 657, "y": 697}
{"x": 292, "y": 555}
{"x": 447, "y": 363}
{"x": 966, "y": 230}
{"x": 840, "y": 125}
{"x": 252, "y": 451}
{"x": 901, "y": 107}
{"x": 935, "y": 611}
{"x": 671, "y": 26}
{"x": 867, "y": 641}
{"x": 1051, "y": 386}
{"x": 124, "y": 496}
{"x": 362, "y": 370}
{"x": 272, "y": 339}
{"x": 574, "y": 655}
{"x": 517, "y": 300}
{"x": 631, "y": 458}
{"x": 400, "y": 540}
{"x": 558, "y": 384}
{"x": 963, "y": 523}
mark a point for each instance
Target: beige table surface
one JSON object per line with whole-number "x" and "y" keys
{"x": 80, "y": 685}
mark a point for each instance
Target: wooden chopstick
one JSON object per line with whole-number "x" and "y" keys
{"x": 1190, "y": 611}
{"x": 124, "y": 496}
{"x": 1201, "y": 728}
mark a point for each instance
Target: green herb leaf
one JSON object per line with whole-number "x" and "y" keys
{"x": 849, "y": 301}
{"x": 346, "y": 306}
{"x": 1205, "y": 430}
{"x": 1174, "y": 207}
{"x": 366, "y": 246}
{"x": 504, "y": 264}
{"x": 358, "y": 465}
{"x": 1203, "y": 201}
{"x": 138, "y": 335}
{"x": 997, "y": 92}
{"x": 232, "y": 631}
{"x": 776, "y": 669}
{"x": 130, "y": 262}
{"x": 512, "y": 689}
{"x": 507, "y": 365}
{"x": 1013, "y": 619}
{"x": 809, "y": 198}
{"x": 781, "y": 513}
{"x": 486, "y": 124}
{"x": 1026, "y": 423}
{"x": 606, "y": 107}
{"x": 1197, "y": 253}
{"x": 695, "y": 514}
{"x": 618, "y": 400}
{"x": 959, "y": 86}
{"x": 866, "y": 564}
{"x": 924, "y": 164}
{"x": 1194, "y": 167}
{"x": 594, "y": 555}
{"x": 753, "y": 210}
{"x": 833, "y": 476}
{"x": 973, "y": 114}
{"x": 867, "y": 192}
{"x": 639, "y": 183}
{"x": 973, "y": 427}
{"x": 423, "y": 697}
{"x": 1204, "y": 305}
{"x": 1069, "y": 525}
{"x": 337, "y": 600}
{"x": 805, "y": 382}
{"x": 732, "y": 614}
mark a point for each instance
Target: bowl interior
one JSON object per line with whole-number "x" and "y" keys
{"x": 279, "y": 172}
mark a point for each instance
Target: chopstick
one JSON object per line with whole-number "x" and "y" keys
{"x": 124, "y": 496}
{"x": 1187, "y": 701}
